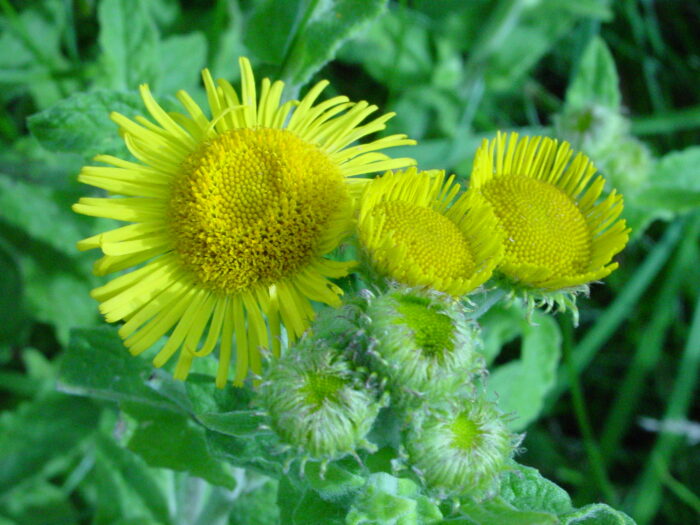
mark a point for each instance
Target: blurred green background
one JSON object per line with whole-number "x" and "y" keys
{"x": 619, "y": 79}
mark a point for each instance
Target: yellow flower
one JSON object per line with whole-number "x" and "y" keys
{"x": 232, "y": 217}
{"x": 556, "y": 233}
{"x": 415, "y": 232}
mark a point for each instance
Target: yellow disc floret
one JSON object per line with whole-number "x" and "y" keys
{"x": 251, "y": 206}
{"x": 557, "y": 235}
{"x": 417, "y": 228}
{"x": 543, "y": 226}
{"x": 414, "y": 231}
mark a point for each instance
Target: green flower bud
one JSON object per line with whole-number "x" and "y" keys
{"x": 387, "y": 500}
{"x": 591, "y": 128}
{"x": 424, "y": 343}
{"x": 317, "y": 404}
{"x": 462, "y": 449}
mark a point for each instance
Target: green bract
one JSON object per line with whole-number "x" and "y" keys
{"x": 461, "y": 449}
{"x": 317, "y": 404}
{"x": 424, "y": 343}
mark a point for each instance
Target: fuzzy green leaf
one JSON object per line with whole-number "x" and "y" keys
{"x": 301, "y": 505}
{"x": 239, "y": 423}
{"x": 389, "y": 500}
{"x": 182, "y": 57}
{"x": 170, "y": 440}
{"x": 526, "y": 489}
{"x": 337, "y": 483}
{"x": 675, "y": 182}
{"x": 11, "y": 298}
{"x": 31, "y": 435}
{"x": 97, "y": 364}
{"x": 130, "y": 44}
{"x": 521, "y": 385}
{"x": 328, "y": 26}
{"x": 80, "y": 124}
{"x": 247, "y": 452}
{"x": 596, "y": 81}
{"x": 126, "y": 487}
{"x": 596, "y": 514}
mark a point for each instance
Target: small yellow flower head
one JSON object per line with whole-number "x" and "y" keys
{"x": 414, "y": 232}
{"x": 232, "y": 216}
{"x": 423, "y": 344}
{"x": 556, "y": 233}
{"x": 461, "y": 450}
{"x": 317, "y": 404}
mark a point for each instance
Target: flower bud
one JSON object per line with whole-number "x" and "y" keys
{"x": 424, "y": 343}
{"x": 316, "y": 403}
{"x": 461, "y": 449}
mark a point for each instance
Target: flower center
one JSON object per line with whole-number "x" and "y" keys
{"x": 251, "y": 206}
{"x": 431, "y": 241}
{"x": 465, "y": 432}
{"x": 320, "y": 387}
{"x": 544, "y": 227}
{"x": 432, "y": 330}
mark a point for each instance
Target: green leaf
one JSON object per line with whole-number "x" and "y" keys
{"x": 182, "y": 57}
{"x": 521, "y": 385}
{"x": 240, "y": 423}
{"x": 270, "y": 28}
{"x": 329, "y": 25}
{"x": 395, "y": 51}
{"x": 11, "y": 299}
{"x": 257, "y": 507}
{"x": 518, "y": 34}
{"x": 126, "y": 487}
{"x": 337, "y": 482}
{"x": 596, "y": 514}
{"x": 40, "y": 504}
{"x": 389, "y": 500}
{"x": 30, "y": 436}
{"x": 130, "y": 44}
{"x": 253, "y": 452}
{"x": 526, "y": 489}
{"x": 596, "y": 81}
{"x": 80, "y": 124}
{"x": 675, "y": 182}
{"x": 496, "y": 510}
{"x": 32, "y": 54}
{"x": 55, "y": 226}
{"x": 170, "y": 440}
{"x": 97, "y": 364}
{"x": 301, "y": 505}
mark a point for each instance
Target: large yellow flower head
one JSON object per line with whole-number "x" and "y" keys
{"x": 415, "y": 232}
{"x": 557, "y": 234}
{"x": 232, "y": 216}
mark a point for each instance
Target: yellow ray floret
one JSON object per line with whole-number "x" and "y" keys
{"x": 415, "y": 232}
{"x": 231, "y": 218}
{"x": 557, "y": 233}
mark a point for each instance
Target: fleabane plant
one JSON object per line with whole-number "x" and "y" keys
{"x": 366, "y": 380}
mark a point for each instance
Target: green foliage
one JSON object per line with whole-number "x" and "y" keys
{"x": 130, "y": 44}
{"x": 596, "y": 81}
{"x": 386, "y": 499}
{"x": 11, "y": 299}
{"x": 302, "y": 35}
{"x": 170, "y": 440}
{"x": 675, "y": 184}
{"x": 521, "y": 385}
{"x": 29, "y": 436}
{"x": 80, "y": 124}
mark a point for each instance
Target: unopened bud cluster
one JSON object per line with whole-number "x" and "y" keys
{"x": 417, "y": 349}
